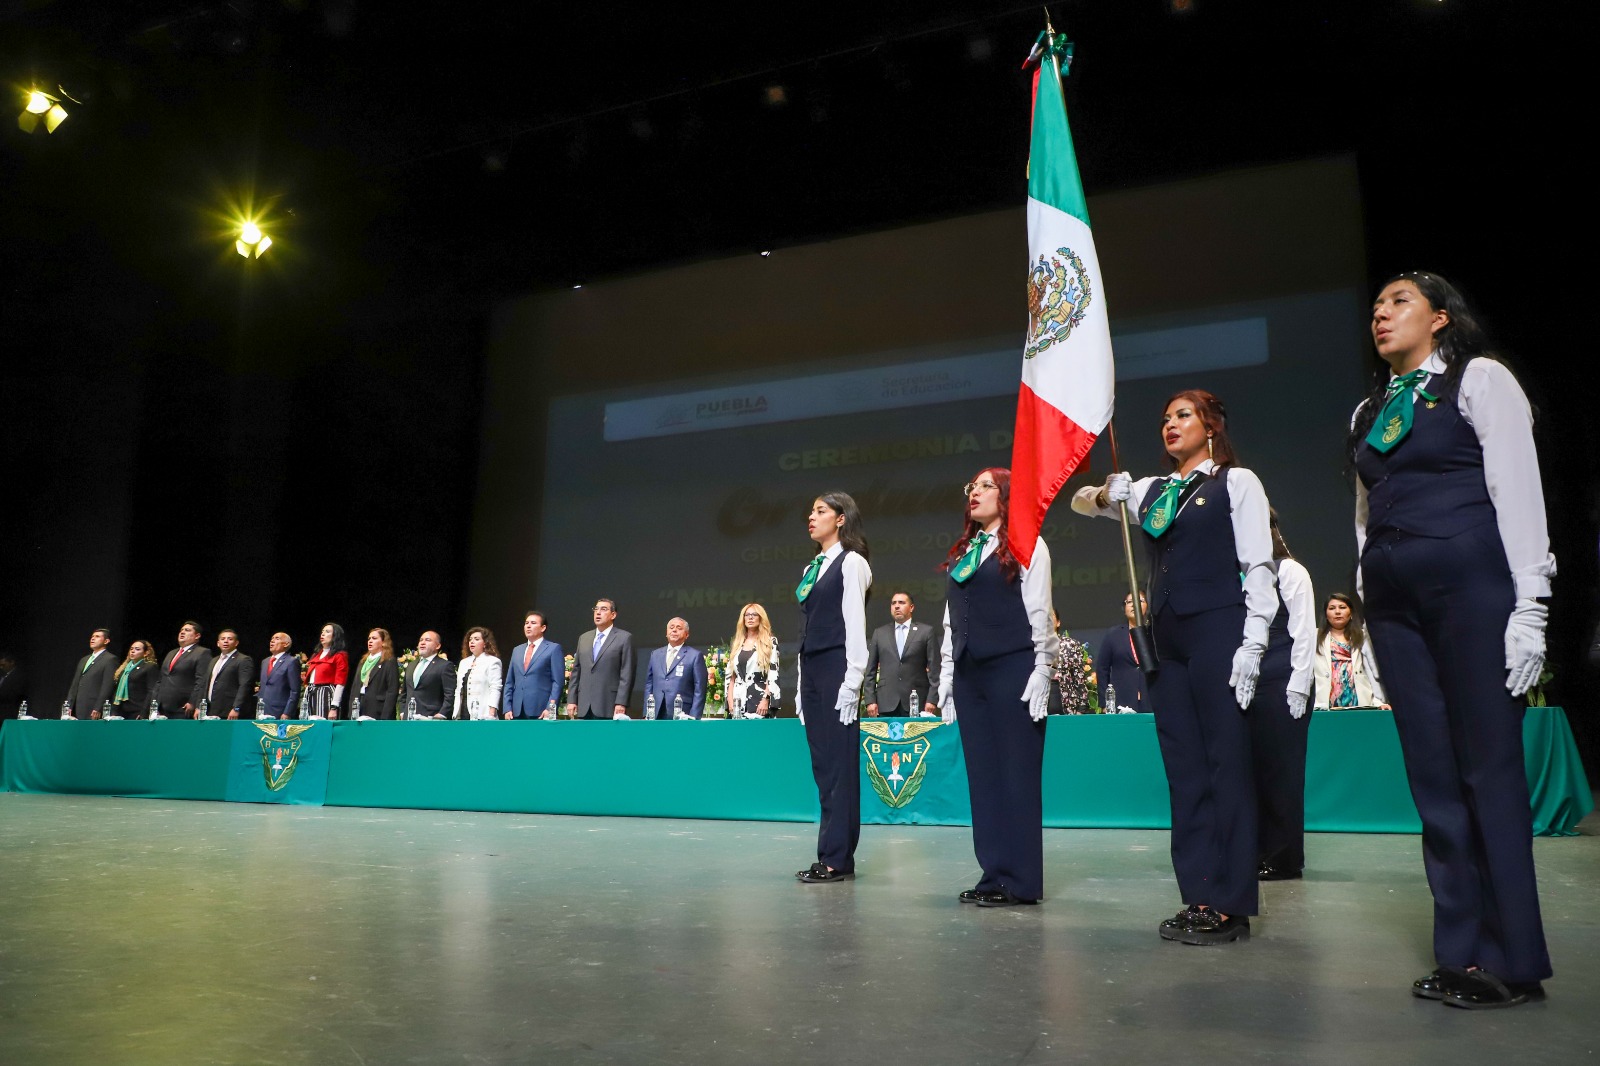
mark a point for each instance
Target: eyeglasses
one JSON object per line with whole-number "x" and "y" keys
{"x": 972, "y": 487}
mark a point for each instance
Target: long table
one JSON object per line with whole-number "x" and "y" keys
{"x": 1101, "y": 771}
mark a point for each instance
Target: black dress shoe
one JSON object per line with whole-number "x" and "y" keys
{"x": 1001, "y": 898}
{"x": 1482, "y": 990}
{"x": 969, "y": 896}
{"x": 1437, "y": 984}
{"x": 818, "y": 874}
{"x": 1268, "y": 872}
{"x": 1171, "y": 927}
{"x": 1207, "y": 927}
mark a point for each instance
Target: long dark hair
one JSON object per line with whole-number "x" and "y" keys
{"x": 1458, "y": 342}
{"x": 1214, "y": 416}
{"x": 851, "y": 535}
{"x": 1008, "y": 562}
{"x": 1353, "y": 630}
{"x": 337, "y": 643}
{"x": 1280, "y": 547}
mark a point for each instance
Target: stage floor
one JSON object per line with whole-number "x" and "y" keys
{"x": 171, "y": 932}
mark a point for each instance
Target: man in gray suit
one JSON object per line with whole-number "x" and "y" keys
{"x": 602, "y": 668}
{"x": 903, "y": 657}
{"x": 93, "y": 678}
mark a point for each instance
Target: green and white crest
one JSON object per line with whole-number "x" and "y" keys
{"x": 897, "y": 757}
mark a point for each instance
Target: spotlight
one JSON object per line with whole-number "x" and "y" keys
{"x": 766, "y": 253}
{"x": 776, "y": 95}
{"x": 41, "y": 108}
{"x": 252, "y": 243}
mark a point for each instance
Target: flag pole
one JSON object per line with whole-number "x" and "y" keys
{"x": 1144, "y": 646}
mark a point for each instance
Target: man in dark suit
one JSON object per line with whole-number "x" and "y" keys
{"x": 94, "y": 677}
{"x": 184, "y": 674}
{"x": 230, "y": 681}
{"x": 602, "y": 668}
{"x": 11, "y": 690}
{"x": 534, "y": 673}
{"x": 431, "y": 680}
{"x": 280, "y": 678}
{"x": 674, "y": 671}
{"x": 902, "y": 658}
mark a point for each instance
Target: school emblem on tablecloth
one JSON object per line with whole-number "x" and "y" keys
{"x": 280, "y": 750}
{"x": 1059, "y": 294}
{"x": 897, "y": 757}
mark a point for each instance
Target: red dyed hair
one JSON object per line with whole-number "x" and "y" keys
{"x": 1008, "y": 562}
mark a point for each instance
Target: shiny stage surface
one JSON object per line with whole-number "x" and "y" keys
{"x": 171, "y": 932}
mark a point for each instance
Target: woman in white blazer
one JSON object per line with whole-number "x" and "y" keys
{"x": 479, "y": 677}
{"x": 1344, "y": 673}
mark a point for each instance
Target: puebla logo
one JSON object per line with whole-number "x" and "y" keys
{"x": 280, "y": 751}
{"x": 897, "y": 757}
{"x": 1059, "y": 294}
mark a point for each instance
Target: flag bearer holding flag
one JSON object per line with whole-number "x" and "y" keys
{"x": 1206, "y": 524}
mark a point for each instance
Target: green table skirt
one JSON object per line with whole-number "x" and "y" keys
{"x": 1100, "y": 771}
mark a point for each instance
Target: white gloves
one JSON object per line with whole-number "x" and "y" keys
{"x": 849, "y": 706}
{"x": 1525, "y": 645}
{"x": 1246, "y": 668}
{"x": 1297, "y": 704}
{"x": 947, "y": 703}
{"x": 1036, "y": 694}
{"x": 1119, "y": 487}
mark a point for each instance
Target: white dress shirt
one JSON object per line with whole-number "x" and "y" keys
{"x": 1294, "y": 585}
{"x": 857, "y": 577}
{"x": 1035, "y": 598}
{"x": 1252, "y": 538}
{"x": 1496, "y": 408}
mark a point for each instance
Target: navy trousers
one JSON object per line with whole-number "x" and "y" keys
{"x": 1004, "y": 749}
{"x": 1205, "y": 744}
{"x": 1437, "y": 611}
{"x": 835, "y": 759}
{"x": 1278, "y": 758}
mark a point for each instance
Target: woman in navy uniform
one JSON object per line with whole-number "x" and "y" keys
{"x": 1455, "y": 556}
{"x": 833, "y": 661}
{"x": 1279, "y": 724}
{"x": 999, "y": 649}
{"x": 1207, "y": 527}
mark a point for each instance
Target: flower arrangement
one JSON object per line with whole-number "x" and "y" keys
{"x": 1073, "y": 674}
{"x": 566, "y": 678}
{"x": 716, "y": 681}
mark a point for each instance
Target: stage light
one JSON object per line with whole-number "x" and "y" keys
{"x": 776, "y": 95}
{"x": 41, "y": 109}
{"x": 766, "y": 254}
{"x": 252, "y": 243}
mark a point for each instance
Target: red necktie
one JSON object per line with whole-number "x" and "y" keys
{"x": 269, "y": 668}
{"x": 527, "y": 657}
{"x": 173, "y": 665}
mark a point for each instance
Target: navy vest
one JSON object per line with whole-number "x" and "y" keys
{"x": 822, "y": 612}
{"x": 1275, "y": 663}
{"x": 987, "y": 615}
{"x": 1430, "y": 484}
{"x": 1195, "y": 565}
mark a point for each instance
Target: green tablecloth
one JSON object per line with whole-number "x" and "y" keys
{"x": 1101, "y": 771}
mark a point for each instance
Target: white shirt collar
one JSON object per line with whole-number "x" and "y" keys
{"x": 833, "y": 552}
{"x": 1207, "y": 466}
{"x": 1434, "y": 364}
{"x": 603, "y": 632}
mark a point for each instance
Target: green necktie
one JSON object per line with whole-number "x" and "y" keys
{"x": 1159, "y": 518}
{"x": 1394, "y": 421}
{"x": 968, "y": 564}
{"x": 809, "y": 581}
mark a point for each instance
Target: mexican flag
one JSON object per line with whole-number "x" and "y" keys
{"x": 1067, "y": 379}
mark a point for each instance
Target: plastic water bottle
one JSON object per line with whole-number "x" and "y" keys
{"x": 66, "y": 710}
{"x": 411, "y": 708}
{"x": 650, "y": 707}
{"x": 550, "y": 711}
{"x": 205, "y": 709}
{"x": 105, "y": 710}
{"x": 261, "y": 708}
{"x": 155, "y": 709}
{"x": 914, "y": 707}
{"x": 677, "y": 706}
{"x": 1111, "y": 700}
{"x": 305, "y": 702}
{"x": 22, "y": 711}
{"x": 355, "y": 707}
